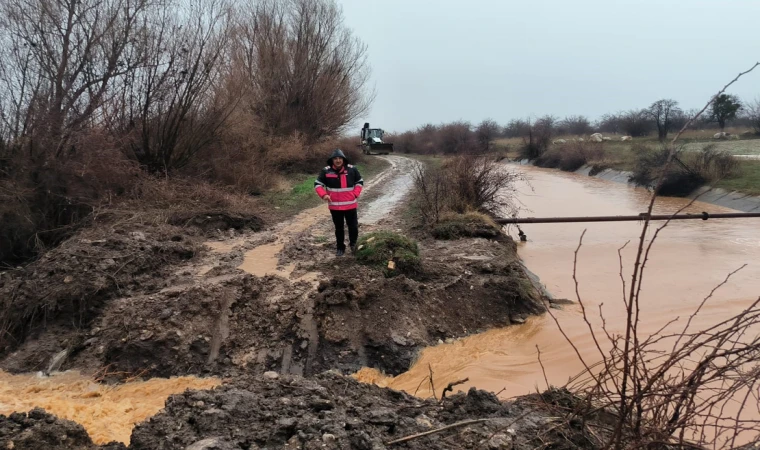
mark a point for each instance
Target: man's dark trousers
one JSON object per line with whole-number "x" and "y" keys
{"x": 352, "y": 220}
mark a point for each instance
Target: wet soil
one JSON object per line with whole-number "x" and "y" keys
{"x": 334, "y": 412}
{"x": 159, "y": 301}
{"x": 38, "y": 430}
{"x": 328, "y": 411}
{"x": 343, "y": 316}
{"x": 467, "y": 286}
{"x": 48, "y": 304}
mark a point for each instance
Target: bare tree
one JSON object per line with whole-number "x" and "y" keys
{"x": 64, "y": 57}
{"x": 175, "y": 104}
{"x": 307, "y": 72}
{"x": 20, "y": 83}
{"x": 539, "y": 137}
{"x": 752, "y": 113}
{"x": 516, "y": 128}
{"x": 663, "y": 112}
{"x": 577, "y": 125}
{"x": 486, "y": 132}
{"x": 455, "y": 138}
{"x": 636, "y": 122}
{"x": 610, "y": 123}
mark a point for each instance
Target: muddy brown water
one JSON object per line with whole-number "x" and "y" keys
{"x": 689, "y": 259}
{"x": 108, "y": 413}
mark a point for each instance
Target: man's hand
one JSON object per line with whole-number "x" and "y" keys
{"x": 327, "y": 198}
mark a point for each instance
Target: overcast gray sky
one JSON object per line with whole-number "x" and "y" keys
{"x": 436, "y": 61}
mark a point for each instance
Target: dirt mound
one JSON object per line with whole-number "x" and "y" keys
{"x": 230, "y": 323}
{"x": 66, "y": 288}
{"x": 466, "y": 286}
{"x": 329, "y": 411}
{"x": 215, "y": 220}
{"x": 225, "y": 324}
{"x": 39, "y": 430}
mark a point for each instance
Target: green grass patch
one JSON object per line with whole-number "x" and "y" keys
{"x": 300, "y": 196}
{"x": 747, "y": 180}
{"x": 378, "y": 248}
{"x": 472, "y": 224}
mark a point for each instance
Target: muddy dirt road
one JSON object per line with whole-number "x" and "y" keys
{"x": 384, "y": 192}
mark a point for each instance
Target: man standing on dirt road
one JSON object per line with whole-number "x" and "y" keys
{"x": 340, "y": 184}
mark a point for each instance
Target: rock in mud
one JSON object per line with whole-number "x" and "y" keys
{"x": 214, "y": 443}
{"x": 500, "y": 441}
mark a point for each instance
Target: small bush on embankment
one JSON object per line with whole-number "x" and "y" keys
{"x": 379, "y": 248}
{"x": 471, "y": 224}
{"x": 463, "y": 190}
{"x": 687, "y": 172}
{"x": 571, "y": 156}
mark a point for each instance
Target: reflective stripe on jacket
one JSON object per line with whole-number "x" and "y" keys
{"x": 344, "y": 186}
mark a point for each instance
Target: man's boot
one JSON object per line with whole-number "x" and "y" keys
{"x": 340, "y": 252}
{"x": 353, "y": 249}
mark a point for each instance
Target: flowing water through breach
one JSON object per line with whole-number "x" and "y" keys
{"x": 108, "y": 413}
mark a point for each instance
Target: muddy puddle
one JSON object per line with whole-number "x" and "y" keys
{"x": 263, "y": 260}
{"x": 689, "y": 260}
{"x": 108, "y": 413}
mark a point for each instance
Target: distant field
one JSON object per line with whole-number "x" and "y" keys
{"x": 622, "y": 155}
{"x": 748, "y": 180}
{"x": 740, "y": 147}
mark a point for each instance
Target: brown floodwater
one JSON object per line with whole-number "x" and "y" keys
{"x": 108, "y": 413}
{"x": 688, "y": 260}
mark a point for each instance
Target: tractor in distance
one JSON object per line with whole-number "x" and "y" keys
{"x": 372, "y": 141}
